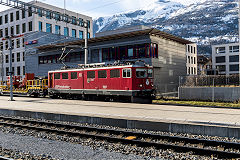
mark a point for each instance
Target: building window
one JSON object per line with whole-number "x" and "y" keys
{"x": 81, "y": 22}
{"x": 17, "y": 15}
{"x": 29, "y": 11}
{"x": 221, "y": 68}
{"x": 130, "y": 51}
{"x": 88, "y": 35}
{"x": 57, "y": 29}
{"x": 6, "y": 18}
{"x": 81, "y": 34}
{"x": 1, "y": 33}
{"x": 13, "y": 70}
{"x": 23, "y": 42}
{"x": 74, "y": 20}
{"x": 18, "y": 43}
{"x": 6, "y": 45}
{"x": 11, "y": 17}
{"x": 1, "y": 20}
{"x": 23, "y": 14}
{"x": 220, "y": 50}
{"x": 17, "y": 29}
{"x": 74, "y": 34}
{"x": 7, "y": 71}
{"x": 234, "y": 49}
{"x": 234, "y": 67}
{"x": 18, "y": 71}
{"x": 40, "y": 27}
{"x": 57, "y": 17}
{"x": 30, "y": 27}
{"x": 6, "y": 32}
{"x": 234, "y": 58}
{"x": 23, "y": 27}
{"x": 48, "y": 28}
{"x": 13, "y": 44}
{"x": 66, "y": 31}
{"x": 105, "y": 54}
{"x": 49, "y": 15}
{"x": 18, "y": 57}
{"x": 221, "y": 59}
{"x": 23, "y": 56}
{"x": 1, "y": 46}
{"x": 12, "y": 30}
{"x": 23, "y": 70}
{"x": 39, "y": 12}
{"x": 13, "y": 57}
{"x": 6, "y": 59}
{"x": 88, "y": 23}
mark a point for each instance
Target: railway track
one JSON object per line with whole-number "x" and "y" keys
{"x": 219, "y": 149}
{"x": 5, "y": 158}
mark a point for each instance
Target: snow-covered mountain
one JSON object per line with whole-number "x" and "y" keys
{"x": 149, "y": 14}
{"x": 205, "y": 22}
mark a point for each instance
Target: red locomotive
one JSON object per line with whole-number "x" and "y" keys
{"x": 130, "y": 81}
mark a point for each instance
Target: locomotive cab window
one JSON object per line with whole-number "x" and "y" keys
{"x": 73, "y": 75}
{"x": 141, "y": 73}
{"x": 127, "y": 73}
{"x": 64, "y": 75}
{"x": 91, "y": 74}
{"x": 102, "y": 74}
{"x": 56, "y": 75}
{"x": 115, "y": 73}
{"x": 150, "y": 73}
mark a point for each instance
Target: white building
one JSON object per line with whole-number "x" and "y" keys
{"x": 191, "y": 59}
{"x": 18, "y": 22}
{"x": 225, "y": 58}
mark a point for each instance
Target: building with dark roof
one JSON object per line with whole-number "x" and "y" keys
{"x": 165, "y": 52}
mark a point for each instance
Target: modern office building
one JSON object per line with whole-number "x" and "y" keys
{"x": 165, "y": 52}
{"x": 17, "y": 22}
{"x": 225, "y": 58}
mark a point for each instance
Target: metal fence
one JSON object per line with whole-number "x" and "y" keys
{"x": 209, "y": 81}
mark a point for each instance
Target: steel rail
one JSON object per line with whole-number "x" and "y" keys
{"x": 177, "y": 143}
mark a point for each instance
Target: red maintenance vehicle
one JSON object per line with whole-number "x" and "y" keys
{"x": 130, "y": 81}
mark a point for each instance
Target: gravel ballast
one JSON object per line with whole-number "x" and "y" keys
{"x": 56, "y": 149}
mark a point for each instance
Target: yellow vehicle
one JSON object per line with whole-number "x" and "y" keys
{"x": 34, "y": 88}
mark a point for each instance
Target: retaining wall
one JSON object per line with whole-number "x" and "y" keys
{"x": 225, "y": 94}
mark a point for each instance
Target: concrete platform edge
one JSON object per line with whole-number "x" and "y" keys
{"x": 168, "y": 126}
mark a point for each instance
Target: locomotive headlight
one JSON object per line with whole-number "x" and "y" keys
{"x": 140, "y": 85}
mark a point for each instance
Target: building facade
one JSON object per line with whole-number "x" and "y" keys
{"x": 165, "y": 52}
{"x": 191, "y": 59}
{"x": 225, "y": 58}
{"x": 17, "y": 22}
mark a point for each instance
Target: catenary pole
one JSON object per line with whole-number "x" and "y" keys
{"x": 86, "y": 43}
{"x": 11, "y": 69}
{"x": 239, "y": 38}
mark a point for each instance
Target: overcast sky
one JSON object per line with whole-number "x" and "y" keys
{"x": 97, "y": 8}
